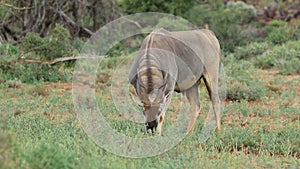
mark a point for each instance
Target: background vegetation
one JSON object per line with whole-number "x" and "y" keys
{"x": 38, "y": 125}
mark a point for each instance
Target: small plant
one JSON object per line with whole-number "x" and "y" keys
{"x": 278, "y": 32}
{"x": 178, "y": 7}
{"x": 275, "y": 24}
{"x": 264, "y": 62}
{"x": 251, "y": 50}
{"x": 8, "y": 50}
{"x": 50, "y": 47}
{"x": 285, "y": 58}
{"x": 199, "y": 15}
{"x": 245, "y": 89}
{"x": 227, "y": 23}
{"x": 246, "y": 12}
{"x": 278, "y": 36}
{"x": 241, "y": 81}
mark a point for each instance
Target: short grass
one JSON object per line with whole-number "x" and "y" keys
{"x": 39, "y": 129}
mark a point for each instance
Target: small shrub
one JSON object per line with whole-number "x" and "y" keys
{"x": 32, "y": 72}
{"x": 176, "y": 7}
{"x": 275, "y": 24}
{"x": 285, "y": 58}
{"x": 278, "y": 36}
{"x": 280, "y": 32}
{"x": 226, "y": 22}
{"x": 35, "y": 47}
{"x": 224, "y": 25}
{"x": 245, "y": 89}
{"x": 199, "y": 15}
{"x": 241, "y": 81}
{"x": 8, "y": 49}
{"x": 50, "y": 47}
{"x": 246, "y": 12}
{"x": 264, "y": 62}
{"x": 32, "y": 41}
{"x": 77, "y": 44}
{"x": 253, "y": 49}
{"x": 293, "y": 30}
{"x": 289, "y": 67}
{"x": 293, "y": 45}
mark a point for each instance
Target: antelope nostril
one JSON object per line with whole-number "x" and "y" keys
{"x": 151, "y": 125}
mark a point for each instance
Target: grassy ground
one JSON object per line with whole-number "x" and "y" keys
{"x": 39, "y": 129}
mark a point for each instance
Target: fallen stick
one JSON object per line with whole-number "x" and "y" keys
{"x": 58, "y": 59}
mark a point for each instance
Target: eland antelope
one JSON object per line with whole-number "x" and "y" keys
{"x": 176, "y": 61}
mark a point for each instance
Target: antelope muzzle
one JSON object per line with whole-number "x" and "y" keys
{"x": 151, "y": 125}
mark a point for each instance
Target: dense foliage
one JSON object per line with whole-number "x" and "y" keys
{"x": 178, "y": 7}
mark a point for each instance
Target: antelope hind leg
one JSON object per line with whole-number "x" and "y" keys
{"x": 193, "y": 98}
{"x": 211, "y": 83}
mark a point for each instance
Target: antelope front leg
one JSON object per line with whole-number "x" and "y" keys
{"x": 193, "y": 98}
{"x": 160, "y": 122}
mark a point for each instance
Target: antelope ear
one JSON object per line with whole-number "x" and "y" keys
{"x": 133, "y": 96}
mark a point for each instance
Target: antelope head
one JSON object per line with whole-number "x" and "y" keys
{"x": 153, "y": 103}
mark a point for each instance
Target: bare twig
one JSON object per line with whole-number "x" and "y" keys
{"x": 14, "y": 7}
{"x": 73, "y": 24}
{"x": 45, "y": 62}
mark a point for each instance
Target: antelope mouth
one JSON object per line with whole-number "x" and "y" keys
{"x": 151, "y": 126}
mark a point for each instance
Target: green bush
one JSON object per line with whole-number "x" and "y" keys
{"x": 245, "y": 88}
{"x": 50, "y": 47}
{"x": 245, "y": 13}
{"x": 289, "y": 67}
{"x": 275, "y": 24}
{"x": 199, "y": 15}
{"x": 56, "y": 45}
{"x": 264, "y": 62}
{"x": 251, "y": 50}
{"x": 277, "y": 32}
{"x": 7, "y": 49}
{"x": 241, "y": 81}
{"x": 280, "y": 32}
{"x": 78, "y": 44}
{"x": 227, "y": 24}
{"x": 293, "y": 30}
{"x": 278, "y": 36}
{"x": 32, "y": 72}
{"x": 176, "y": 7}
{"x": 285, "y": 58}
